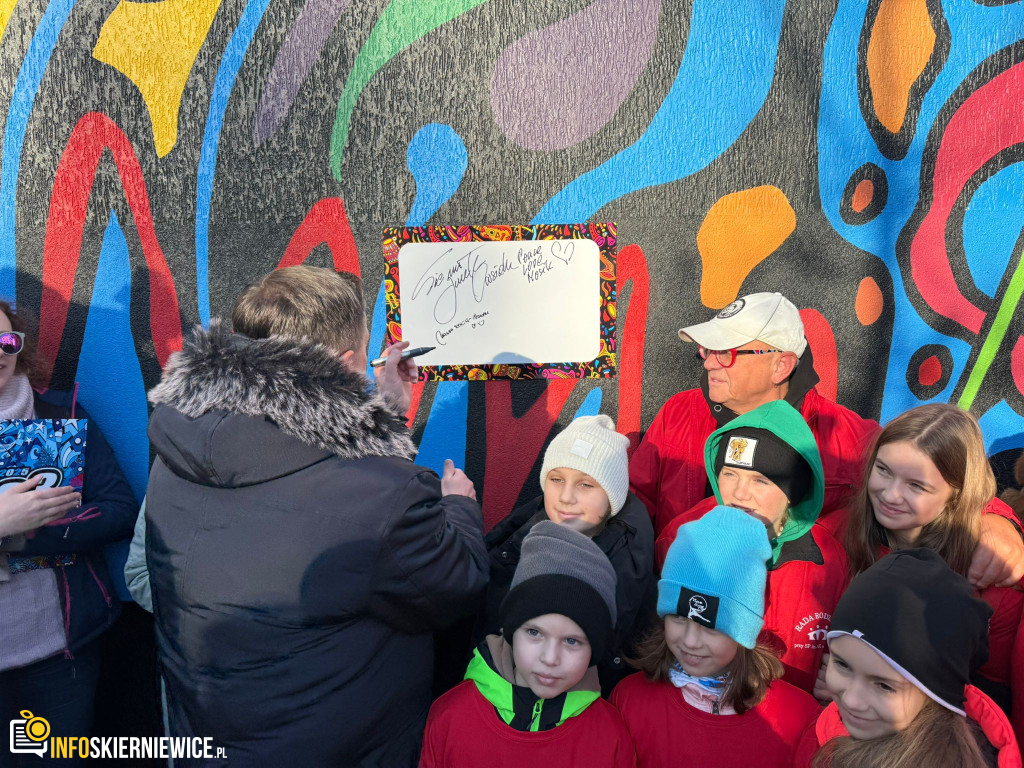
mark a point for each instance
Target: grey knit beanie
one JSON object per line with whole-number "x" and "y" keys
{"x": 590, "y": 444}
{"x": 562, "y": 571}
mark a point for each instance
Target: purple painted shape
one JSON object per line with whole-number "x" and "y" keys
{"x": 561, "y": 84}
{"x": 300, "y": 50}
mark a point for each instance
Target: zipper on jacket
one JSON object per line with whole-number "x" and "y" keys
{"x": 535, "y": 717}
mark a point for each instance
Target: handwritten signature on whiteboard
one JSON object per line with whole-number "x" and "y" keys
{"x": 471, "y": 273}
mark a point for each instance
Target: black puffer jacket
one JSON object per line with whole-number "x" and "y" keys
{"x": 299, "y": 560}
{"x": 627, "y": 540}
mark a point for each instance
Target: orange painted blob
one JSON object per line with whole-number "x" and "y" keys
{"x": 739, "y": 232}
{"x": 869, "y": 301}
{"x": 862, "y": 195}
{"x": 902, "y": 41}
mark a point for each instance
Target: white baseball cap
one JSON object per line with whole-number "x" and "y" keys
{"x": 767, "y": 317}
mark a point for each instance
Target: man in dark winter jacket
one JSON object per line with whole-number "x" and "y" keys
{"x": 299, "y": 560}
{"x": 755, "y": 352}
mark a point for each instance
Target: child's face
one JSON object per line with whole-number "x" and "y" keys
{"x": 906, "y": 490}
{"x": 551, "y": 653}
{"x": 571, "y": 496}
{"x": 756, "y": 495}
{"x": 873, "y": 699}
{"x": 702, "y": 652}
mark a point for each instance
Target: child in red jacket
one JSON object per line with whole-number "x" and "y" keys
{"x": 906, "y": 638}
{"x": 531, "y": 695}
{"x": 766, "y": 463}
{"x": 709, "y": 695}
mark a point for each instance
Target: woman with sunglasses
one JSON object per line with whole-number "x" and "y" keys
{"x": 56, "y": 596}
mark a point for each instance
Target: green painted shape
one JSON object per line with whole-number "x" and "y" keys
{"x": 1007, "y": 307}
{"x": 401, "y": 24}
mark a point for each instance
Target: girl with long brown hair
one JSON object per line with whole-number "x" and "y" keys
{"x": 927, "y": 484}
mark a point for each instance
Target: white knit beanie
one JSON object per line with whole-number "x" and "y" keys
{"x": 590, "y": 444}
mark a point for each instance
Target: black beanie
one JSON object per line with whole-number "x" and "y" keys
{"x": 763, "y": 451}
{"x": 562, "y": 571}
{"x": 923, "y": 618}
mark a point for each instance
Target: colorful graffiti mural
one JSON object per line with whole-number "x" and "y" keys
{"x": 861, "y": 156}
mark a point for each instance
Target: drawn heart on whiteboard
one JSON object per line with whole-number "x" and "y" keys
{"x": 556, "y": 251}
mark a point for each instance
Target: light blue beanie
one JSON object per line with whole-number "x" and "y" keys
{"x": 715, "y": 574}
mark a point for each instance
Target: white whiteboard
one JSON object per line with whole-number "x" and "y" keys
{"x": 502, "y": 302}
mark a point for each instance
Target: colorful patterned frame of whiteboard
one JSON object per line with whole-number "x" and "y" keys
{"x": 54, "y": 448}
{"x": 603, "y": 234}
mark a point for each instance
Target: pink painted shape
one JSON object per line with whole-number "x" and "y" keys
{"x": 559, "y": 85}
{"x": 823, "y": 344}
{"x": 1017, "y": 364}
{"x": 976, "y": 133}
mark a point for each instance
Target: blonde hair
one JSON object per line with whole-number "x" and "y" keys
{"x": 751, "y": 673}
{"x": 937, "y": 738}
{"x": 951, "y": 438}
{"x": 319, "y": 304}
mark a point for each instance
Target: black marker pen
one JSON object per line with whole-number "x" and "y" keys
{"x": 413, "y": 352}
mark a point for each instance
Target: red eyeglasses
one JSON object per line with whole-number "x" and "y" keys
{"x": 727, "y": 357}
{"x": 12, "y": 342}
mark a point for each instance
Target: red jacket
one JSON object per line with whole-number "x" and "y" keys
{"x": 667, "y": 469}
{"x": 464, "y": 730}
{"x": 802, "y": 591}
{"x": 669, "y": 732}
{"x": 978, "y": 706}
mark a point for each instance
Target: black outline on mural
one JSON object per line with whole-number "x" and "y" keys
{"x": 879, "y": 197}
{"x": 928, "y": 391}
{"x": 895, "y": 145}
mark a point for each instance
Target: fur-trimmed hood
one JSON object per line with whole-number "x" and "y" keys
{"x": 228, "y": 390}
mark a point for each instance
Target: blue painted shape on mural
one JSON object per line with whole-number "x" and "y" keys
{"x": 591, "y": 405}
{"x": 30, "y": 76}
{"x": 110, "y": 381}
{"x": 230, "y": 63}
{"x": 437, "y": 160}
{"x": 845, "y": 144}
{"x": 1002, "y": 427}
{"x": 724, "y": 76}
{"x": 992, "y": 225}
{"x": 444, "y": 437}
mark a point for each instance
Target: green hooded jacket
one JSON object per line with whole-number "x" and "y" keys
{"x": 493, "y": 671}
{"x": 786, "y": 423}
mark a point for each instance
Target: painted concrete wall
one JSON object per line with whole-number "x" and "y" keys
{"x": 861, "y": 156}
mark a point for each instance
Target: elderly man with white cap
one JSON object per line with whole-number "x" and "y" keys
{"x": 755, "y": 351}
